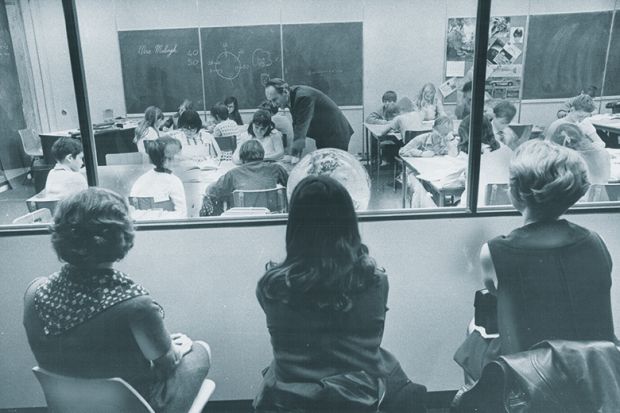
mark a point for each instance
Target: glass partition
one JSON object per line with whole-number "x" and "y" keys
{"x": 550, "y": 74}
{"x": 193, "y": 81}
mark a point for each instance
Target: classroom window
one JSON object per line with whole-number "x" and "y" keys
{"x": 404, "y": 155}
{"x": 541, "y": 57}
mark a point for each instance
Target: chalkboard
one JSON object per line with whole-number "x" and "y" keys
{"x": 238, "y": 61}
{"x": 11, "y": 108}
{"x": 161, "y": 68}
{"x": 327, "y": 56}
{"x": 612, "y": 76}
{"x": 565, "y": 53}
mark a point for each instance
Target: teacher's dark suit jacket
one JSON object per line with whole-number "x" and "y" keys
{"x": 316, "y": 116}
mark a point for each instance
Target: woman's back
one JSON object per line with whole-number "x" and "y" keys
{"x": 598, "y": 162}
{"x": 554, "y": 281}
{"x": 102, "y": 346}
{"x": 310, "y": 343}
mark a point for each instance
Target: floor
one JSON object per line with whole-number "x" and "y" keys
{"x": 13, "y": 201}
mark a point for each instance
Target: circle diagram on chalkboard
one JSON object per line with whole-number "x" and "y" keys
{"x": 227, "y": 65}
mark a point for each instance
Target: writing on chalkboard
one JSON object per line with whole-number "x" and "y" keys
{"x": 227, "y": 65}
{"x": 261, "y": 58}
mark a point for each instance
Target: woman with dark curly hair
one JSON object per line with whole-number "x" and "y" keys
{"x": 90, "y": 320}
{"x": 325, "y": 306}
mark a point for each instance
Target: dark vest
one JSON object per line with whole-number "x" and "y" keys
{"x": 554, "y": 281}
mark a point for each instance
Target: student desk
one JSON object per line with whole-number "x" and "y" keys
{"x": 373, "y": 131}
{"x": 108, "y": 140}
{"x": 120, "y": 178}
{"x": 608, "y": 126}
{"x": 438, "y": 172}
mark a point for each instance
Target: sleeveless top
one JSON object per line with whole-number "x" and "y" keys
{"x": 554, "y": 281}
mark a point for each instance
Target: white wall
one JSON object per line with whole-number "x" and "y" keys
{"x": 205, "y": 279}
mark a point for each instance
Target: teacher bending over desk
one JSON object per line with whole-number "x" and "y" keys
{"x": 314, "y": 114}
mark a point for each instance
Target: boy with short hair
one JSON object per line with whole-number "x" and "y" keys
{"x": 380, "y": 116}
{"x": 66, "y": 179}
{"x": 503, "y": 113}
{"x": 223, "y": 125}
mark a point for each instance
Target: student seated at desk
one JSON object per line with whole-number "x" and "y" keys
{"x": 173, "y": 121}
{"x": 503, "y": 113}
{"x": 254, "y": 173}
{"x": 160, "y": 183}
{"x": 463, "y": 108}
{"x": 148, "y": 128}
{"x": 233, "y": 109}
{"x": 428, "y": 102}
{"x": 197, "y": 144}
{"x": 66, "y": 179}
{"x": 325, "y": 307}
{"x": 408, "y": 119}
{"x": 283, "y": 123}
{"x": 263, "y": 130}
{"x": 381, "y": 116}
{"x": 566, "y": 106}
{"x": 552, "y": 278}
{"x": 223, "y": 125}
{"x": 581, "y": 109}
{"x": 439, "y": 141}
{"x": 494, "y": 160}
{"x": 597, "y": 159}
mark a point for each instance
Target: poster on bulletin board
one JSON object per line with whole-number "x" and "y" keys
{"x": 504, "y": 56}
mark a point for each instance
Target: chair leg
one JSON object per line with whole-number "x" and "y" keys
{"x": 28, "y": 175}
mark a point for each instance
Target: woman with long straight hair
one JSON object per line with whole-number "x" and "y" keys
{"x": 325, "y": 306}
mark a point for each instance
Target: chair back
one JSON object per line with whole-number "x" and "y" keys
{"x": 497, "y": 194}
{"x": 31, "y": 142}
{"x": 129, "y": 158}
{"x": 40, "y": 201}
{"x": 273, "y": 199}
{"x": 147, "y": 202}
{"x": 523, "y": 133}
{"x": 227, "y": 143}
{"x": 410, "y": 134}
{"x": 40, "y": 216}
{"x": 76, "y": 395}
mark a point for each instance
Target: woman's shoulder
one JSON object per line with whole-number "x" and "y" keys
{"x": 31, "y": 289}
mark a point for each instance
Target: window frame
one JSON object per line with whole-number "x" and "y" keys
{"x": 471, "y": 210}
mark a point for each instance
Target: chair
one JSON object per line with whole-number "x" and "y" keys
{"x": 77, "y": 395}
{"x": 227, "y": 143}
{"x": 40, "y": 216}
{"x": 32, "y": 146}
{"x": 147, "y": 202}
{"x": 273, "y": 199}
{"x": 129, "y": 158}
{"x": 40, "y": 201}
{"x": 497, "y": 194}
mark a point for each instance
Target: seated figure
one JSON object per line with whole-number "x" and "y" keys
{"x": 325, "y": 308}
{"x": 552, "y": 278}
{"x": 90, "y": 320}
{"x": 254, "y": 173}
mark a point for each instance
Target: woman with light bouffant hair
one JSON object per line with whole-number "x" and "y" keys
{"x": 90, "y": 320}
{"x": 551, "y": 278}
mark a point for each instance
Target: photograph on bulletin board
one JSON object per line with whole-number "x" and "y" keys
{"x": 504, "y": 56}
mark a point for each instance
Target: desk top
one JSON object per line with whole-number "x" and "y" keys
{"x": 441, "y": 171}
{"x": 377, "y": 129}
{"x": 606, "y": 121}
